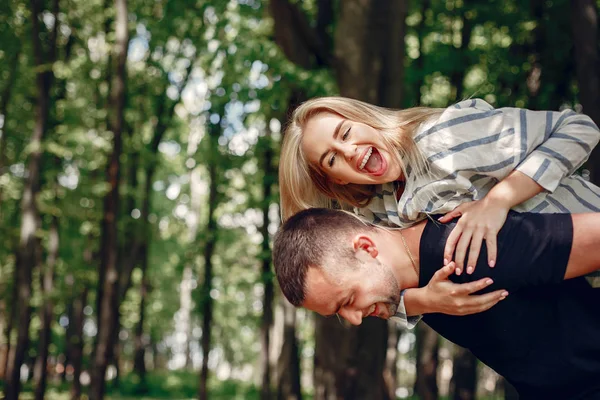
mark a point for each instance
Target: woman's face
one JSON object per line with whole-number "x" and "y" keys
{"x": 348, "y": 151}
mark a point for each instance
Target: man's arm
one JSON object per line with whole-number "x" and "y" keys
{"x": 458, "y": 299}
{"x": 585, "y": 251}
{"x": 543, "y": 249}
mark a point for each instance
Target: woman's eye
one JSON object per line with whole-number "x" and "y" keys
{"x": 345, "y": 136}
{"x": 331, "y": 160}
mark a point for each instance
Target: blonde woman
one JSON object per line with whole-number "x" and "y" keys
{"x": 397, "y": 167}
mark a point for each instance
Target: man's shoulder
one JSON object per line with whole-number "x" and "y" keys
{"x": 532, "y": 249}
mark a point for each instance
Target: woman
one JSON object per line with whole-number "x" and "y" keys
{"x": 397, "y": 167}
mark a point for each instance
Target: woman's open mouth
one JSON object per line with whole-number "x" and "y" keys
{"x": 372, "y": 162}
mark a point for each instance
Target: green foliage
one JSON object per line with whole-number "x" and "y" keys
{"x": 208, "y": 78}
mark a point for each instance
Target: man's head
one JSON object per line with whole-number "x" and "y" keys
{"x": 326, "y": 260}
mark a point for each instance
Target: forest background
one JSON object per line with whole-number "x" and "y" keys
{"x": 139, "y": 146}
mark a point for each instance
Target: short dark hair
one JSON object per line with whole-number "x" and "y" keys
{"x": 308, "y": 239}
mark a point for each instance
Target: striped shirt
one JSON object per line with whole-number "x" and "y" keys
{"x": 473, "y": 146}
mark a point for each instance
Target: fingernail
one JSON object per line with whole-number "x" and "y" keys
{"x": 504, "y": 294}
{"x": 492, "y": 263}
{"x": 489, "y": 282}
{"x": 440, "y": 218}
{"x": 445, "y": 261}
{"x": 470, "y": 270}
{"x": 458, "y": 271}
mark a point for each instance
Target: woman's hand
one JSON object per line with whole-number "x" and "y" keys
{"x": 446, "y": 297}
{"x": 479, "y": 220}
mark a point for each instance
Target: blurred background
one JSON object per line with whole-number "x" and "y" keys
{"x": 139, "y": 145}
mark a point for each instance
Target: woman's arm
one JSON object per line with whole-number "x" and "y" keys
{"x": 553, "y": 145}
{"x": 483, "y": 219}
{"x": 443, "y": 296}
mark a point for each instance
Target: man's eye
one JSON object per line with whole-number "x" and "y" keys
{"x": 345, "y": 136}
{"x": 331, "y": 160}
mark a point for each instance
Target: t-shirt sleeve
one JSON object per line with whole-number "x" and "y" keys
{"x": 533, "y": 250}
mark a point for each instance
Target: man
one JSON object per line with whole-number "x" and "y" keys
{"x": 542, "y": 337}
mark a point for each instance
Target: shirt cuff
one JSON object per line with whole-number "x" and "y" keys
{"x": 542, "y": 170}
{"x": 401, "y": 318}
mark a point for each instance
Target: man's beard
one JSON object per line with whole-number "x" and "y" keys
{"x": 393, "y": 308}
{"x": 393, "y": 299}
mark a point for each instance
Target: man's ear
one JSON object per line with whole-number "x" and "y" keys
{"x": 362, "y": 242}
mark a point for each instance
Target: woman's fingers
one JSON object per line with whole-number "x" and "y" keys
{"x": 450, "y": 216}
{"x": 475, "y": 248}
{"x": 451, "y": 245}
{"x": 461, "y": 249}
{"x": 490, "y": 243}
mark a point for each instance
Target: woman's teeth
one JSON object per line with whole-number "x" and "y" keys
{"x": 366, "y": 159}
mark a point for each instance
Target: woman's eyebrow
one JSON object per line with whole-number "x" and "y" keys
{"x": 336, "y": 132}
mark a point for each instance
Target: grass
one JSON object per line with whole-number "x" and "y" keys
{"x": 172, "y": 385}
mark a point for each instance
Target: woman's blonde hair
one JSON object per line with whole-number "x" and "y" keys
{"x": 304, "y": 186}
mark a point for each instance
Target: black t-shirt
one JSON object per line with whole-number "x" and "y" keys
{"x": 544, "y": 337}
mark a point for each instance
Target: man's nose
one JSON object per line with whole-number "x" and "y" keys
{"x": 352, "y": 316}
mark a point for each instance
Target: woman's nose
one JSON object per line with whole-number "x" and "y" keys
{"x": 348, "y": 150}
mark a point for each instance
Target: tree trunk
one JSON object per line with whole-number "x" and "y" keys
{"x": 288, "y": 364}
{"x": 140, "y": 347}
{"x": 47, "y": 311}
{"x": 104, "y": 103}
{"x": 267, "y": 274}
{"x": 67, "y": 331}
{"x": 534, "y": 77}
{"x": 11, "y": 301}
{"x": 390, "y": 374}
{"x": 4, "y": 101}
{"x": 28, "y": 243}
{"x": 426, "y": 387}
{"x": 347, "y": 364}
{"x": 206, "y": 303}
{"x": 368, "y": 61}
{"x": 420, "y": 61}
{"x": 369, "y": 53}
{"x": 76, "y": 342}
{"x": 463, "y": 385}
{"x": 183, "y": 317}
{"x": 458, "y": 77}
{"x": 584, "y": 21}
{"x": 369, "y": 50}
{"x": 109, "y": 246}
